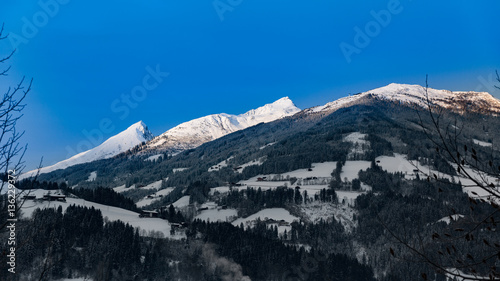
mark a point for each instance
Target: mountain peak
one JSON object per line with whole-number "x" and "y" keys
{"x": 286, "y": 103}
{"x": 280, "y": 108}
{"x": 286, "y": 100}
{"x": 134, "y": 135}
{"x": 399, "y": 86}
{"x": 198, "y": 131}
{"x": 417, "y": 94}
{"x": 459, "y": 101}
{"x": 139, "y": 124}
{"x": 140, "y": 128}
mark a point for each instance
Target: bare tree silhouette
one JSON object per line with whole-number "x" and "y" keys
{"x": 11, "y": 152}
{"x": 449, "y": 251}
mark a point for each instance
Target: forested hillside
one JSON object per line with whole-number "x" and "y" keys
{"x": 329, "y": 195}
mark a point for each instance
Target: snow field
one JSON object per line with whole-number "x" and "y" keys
{"x": 448, "y": 219}
{"x": 348, "y": 197}
{"x": 122, "y": 188}
{"x": 276, "y": 214}
{"x": 215, "y": 215}
{"x": 311, "y": 181}
{"x": 482, "y": 143}
{"x": 220, "y": 189}
{"x": 267, "y": 145}
{"x": 153, "y": 157}
{"x": 175, "y": 170}
{"x": 154, "y": 185}
{"x": 92, "y": 176}
{"x": 182, "y": 202}
{"x": 111, "y": 213}
{"x": 154, "y": 197}
{"x": 399, "y": 163}
{"x": 357, "y": 140}
{"x": 221, "y": 165}
{"x": 258, "y": 162}
{"x": 351, "y": 169}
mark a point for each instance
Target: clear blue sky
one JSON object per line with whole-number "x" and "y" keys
{"x": 228, "y": 56}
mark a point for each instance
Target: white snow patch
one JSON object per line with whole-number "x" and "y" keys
{"x": 122, "y": 188}
{"x": 165, "y": 191}
{"x": 276, "y": 214}
{"x": 257, "y": 162}
{"x": 220, "y": 189}
{"x": 154, "y": 197}
{"x": 209, "y": 205}
{"x": 348, "y": 197}
{"x": 153, "y": 157}
{"x": 267, "y": 145}
{"x": 92, "y": 176}
{"x": 482, "y": 143}
{"x": 351, "y": 169}
{"x": 182, "y": 202}
{"x": 154, "y": 185}
{"x": 356, "y": 137}
{"x": 175, "y": 170}
{"x": 451, "y": 277}
{"x": 399, "y": 163}
{"x": 358, "y": 144}
{"x": 448, "y": 219}
{"x": 221, "y": 165}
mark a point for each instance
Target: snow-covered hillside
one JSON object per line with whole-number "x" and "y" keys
{"x": 147, "y": 225}
{"x": 198, "y": 131}
{"x": 132, "y": 136}
{"x": 272, "y": 217}
{"x": 416, "y": 94}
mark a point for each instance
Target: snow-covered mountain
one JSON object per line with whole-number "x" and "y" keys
{"x": 131, "y": 137}
{"x": 481, "y": 102}
{"x": 198, "y": 131}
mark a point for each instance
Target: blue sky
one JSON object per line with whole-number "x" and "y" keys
{"x": 228, "y": 56}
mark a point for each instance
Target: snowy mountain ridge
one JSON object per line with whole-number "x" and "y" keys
{"x": 459, "y": 101}
{"x": 131, "y": 137}
{"x": 184, "y": 136}
{"x": 194, "y": 133}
